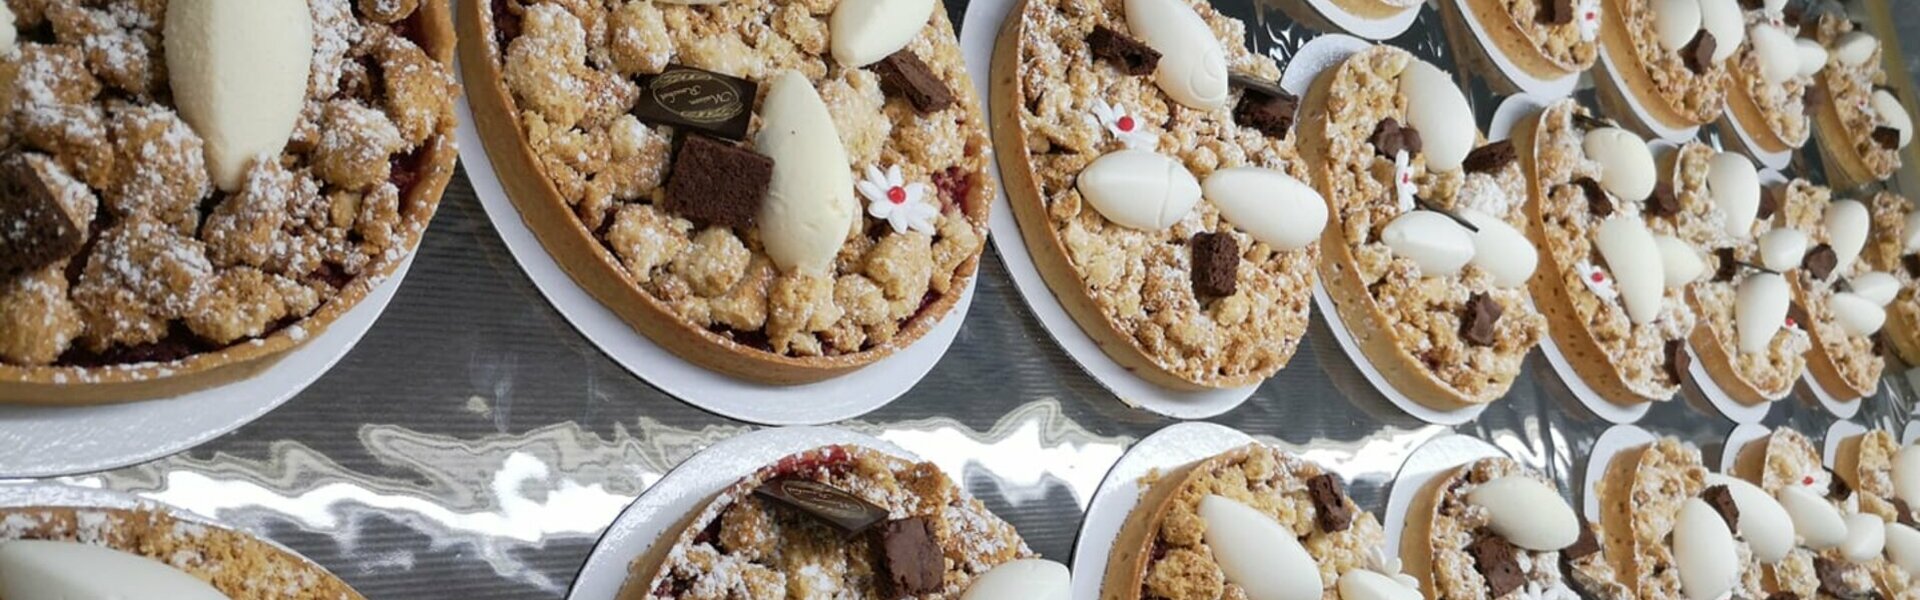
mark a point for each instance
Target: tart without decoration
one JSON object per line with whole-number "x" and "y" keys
{"x": 779, "y": 191}
{"x": 1149, "y": 160}
{"x": 184, "y": 204}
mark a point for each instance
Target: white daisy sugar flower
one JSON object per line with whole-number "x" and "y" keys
{"x": 1403, "y": 186}
{"x": 903, "y": 205}
{"x": 1130, "y": 130}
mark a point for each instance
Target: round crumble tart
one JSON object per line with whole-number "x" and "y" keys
{"x": 141, "y": 262}
{"x": 1769, "y": 373}
{"x": 1546, "y": 39}
{"x": 1072, "y": 89}
{"x": 833, "y": 522}
{"x": 1860, "y": 141}
{"x": 1845, "y": 364}
{"x": 1894, "y": 248}
{"x": 1772, "y": 111}
{"x": 1450, "y": 542}
{"x": 1645, "y": 495}
{"x": 1626, "y": 362}
{"x": 1679, "y": 86}
{"x": 694, "y": 243}
{"x": 1447, "y": 340}
{"x": 238, "y": 565}
{"x": 1165, "y": 550}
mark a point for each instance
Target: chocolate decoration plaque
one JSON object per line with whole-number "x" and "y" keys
{"x": 833, "y": 505}
{"x": 705, "y": 101}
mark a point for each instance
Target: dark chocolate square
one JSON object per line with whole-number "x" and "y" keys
{"x": 1265, "y": 108}
{"x": 37, "y": 229}
{"x": 1887, "y": 138}
{"x": 1129, "y": 55}
{"x": 1771, "y": 199}
{"x": 831, "y": 505}
{"x": 1598, "y": 203}
{"x": 1555, "y": 12}
{"x": 1330, "y": 509}
{"x": 1837, "y": 488}
{"x": 1721, "y": 499}
{"x": 914, "y": 562}
{"x": 1727, "y": 264}
{"x": 1912, "y": 264}
{"x": 1495, "y": 559}
{"x": 1903, "y": 514}
{"x": 1390, "y": 138}
{"x": 904, "y": 75}
{"x": 1697, "y": 55}
{"x": 1584, "y": 546}
{"x": 694, "y": 99}
{"x": 1216, "y": 264}
{"x": 1820, "y": 261}
{"x": 717, "y": 183}
{"x": 1490, "y": 158}
{"x": 1477, "y": 326}
{"x": 1663, "y": 202}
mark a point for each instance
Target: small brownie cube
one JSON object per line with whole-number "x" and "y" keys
{"x": 717, "y": 183}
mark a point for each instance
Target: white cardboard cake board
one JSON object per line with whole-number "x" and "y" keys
{"x": 1119, "y": 493}
{"x": 1612, "y": 442}
{"x": 1439, "y": 455}
{"x": 1738, "y": 439}
{"x": 1838, "y": 432}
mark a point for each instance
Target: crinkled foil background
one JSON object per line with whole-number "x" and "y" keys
{"x": 474, "y": 445}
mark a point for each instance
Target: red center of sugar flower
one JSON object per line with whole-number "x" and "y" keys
{"x": 1125, "y": 124}
{"x": 1592, "y": 15}
{"x": 1807, "y": 481}
{"x": 1791, "y": 323}
{"x": 897, "y": 195}
{"x": 1599, "y": 277}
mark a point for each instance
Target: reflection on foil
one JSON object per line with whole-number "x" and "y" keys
{"x": 1030, "y": 447}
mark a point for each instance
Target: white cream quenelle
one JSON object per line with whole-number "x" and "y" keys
{"x": 1856, "y": 314}
{"x": 1855, "y": 48}
{"x": 1877, "y": 287}
{"x": 8, "y": 31}
{"x": 1782, "y": 249}
{"x": 1500, "y": 249}
{"x": 1815, "y": 520}
{"x": 1848, "y": 223}
{"x": 1032, "y": 578}
{"x": 1361, "y": 584}
{"x": 1704, "y": 552}
{"x": 1813, "y": 56}
{"x": 1437, "y": 109}
{"x": 1735, "y": 187}
{"x": 1760, "y": 310}
{"x": 238, "y": 71}
{"x": 809, "y": 209}
{"x": 1193, "y": 65}
{"x": 40, "y": 570}
{"x": 1141, "y": 189}
{"x": 1675, "y": 22}
{"x": 1727, "y": 23}
{"x": 1903, "y": 547}
{"x": 1866, "y": 536}
{"x": 1764, "y": 524}
{"x": 1433, "y": 241}
{"x": 1680, "y": 263}
{"x": 1626, "y": 165}
{"x": 1527, "y": 513}
{"x": 865, "y": 31}
{"x": 1906, "y": 474}
{"x": 1273, "y": 207}
{"x": 1638, "y": 269}
{"x": 1257, "y": 554}
{"x": 1779, "y": 57}
{"x": 1893, "y": 114}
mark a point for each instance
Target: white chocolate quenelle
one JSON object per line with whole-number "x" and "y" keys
{"x": 1626, "y": 165}
{"x": 41, "y": 570}
{"x": 1675, "y": 22}
{"x": 1437, "y": 109}
{"x": 1193, "y": 65}
{"x": 1273, "y": 207}
{"x": 1681, "y": 263}
{"x": 1638, "y": 270}
{"x": 1028, "y": 578}
{"x": 865, "y": 31}
{"x": 1735, "y": 187}
{"x": 809, "y": 209}
{"x": 1257, "y": 554}
{"x": 238, "y": 71}
{"x": 1141, "y": 189}
{"x": 1727, "y": 23}
{"x": 1431, "y": 240}
{"x": 1527, "y": 513}
{"x": 1764, "y": 524}
{"x": 1760, "y": 310}
{"x": 1848, "y": 223}
{"x": 1501, "y": 250}
{"x": 1704, "y": 552}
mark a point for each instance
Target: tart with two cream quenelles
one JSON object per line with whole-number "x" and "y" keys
{"x": 1886, "y": 478}
{"x": 1671, "y": 532}
{"x": 1861, "y": 125}
{"x": 1836, "y": 296}
{"x": 1771, "y": 76}
{"x": 1672, "y": 57}
{"x": 1491, "y": 529}
{"x": 1893, "y": 248}
{"x": 1839, "y": 550}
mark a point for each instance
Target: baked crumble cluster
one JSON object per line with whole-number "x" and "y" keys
{"x": 1849, "y": 89}
{"x": 1560, "y": 41}
{"x": 1339, "y": 537}
{"x": 1427, "y": 314}
{"x": 1697, "y": 94}
{"x": 1142, "y": 280}
{"x": 1774, "y": 371}
{"x": 746, "y": 544}
{"x": 574, "y": 67}
{"x": 1666, "y": 475}
{"x": 1642, "y": 355}
{"x": 1856, "y": 356}
{"x": 1459, "y": 528}
{"x": 121, "y": 249}
{"x": 241, "y": 567}
{"x": 1783, "y": 104}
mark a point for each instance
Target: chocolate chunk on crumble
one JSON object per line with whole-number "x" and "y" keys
{"x": 914, "y": 562}
{"x": 44, "y": 213}
{"x": 1588, "y": 122}
{"x": 1216, "y": 264}
{"x": 1330, "y": 510}
{"x": 1721, "y": 499}
{"x": 1728, "y": 264}
{"x": 1678, "y": 361}
{"x": 1783, "y": 596}
{"x": 1912, "y": 263}
{"x": 717, "y": 183}
{"x": 1770, "y": 202}
{"x": 1477, "y": 325}
{"x": 1587, "y": 545}
{"x": 1903, "y": 513}
{"x": 903, "y": 74}
{"x": 831, "y": 505}
{"x": 1886, "y": 137}
{"x": 1555, "y": 12}
{"x": 1838, "y": 490}
{"x": 1490, "y": 158}
{"x": 1495, "y": 559}
{"x": 1833, "y": 578}
{"x": 1598, "y": 204}
{"x": 1390, "y": 138}
{"x": 1663, "y": 202}
{"x": 1698, "y": 54}
{"x": 1820, "y": 261}
{"x": 1265, "y": 107}
{"x": 1131, "y": 56}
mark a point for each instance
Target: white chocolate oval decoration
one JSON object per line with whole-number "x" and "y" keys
{"x": 1269, "y": 205}
{"x": 1764, "y": 524}
{"x": 1675, "y": 22}
{"x": 1501, "y": 250}
{"x": 865, "y": 31}
{"x": 8, "y": 31}
{"x": 1141, "y": 189}
{"x": 1703, "y": 552}
{"x": 1813, "y": 56}
{"x": 1760, "y": 310}
{"x": 1911, "y": 233}
{"x": 1028, "y": 578}
{"x": 1877, "y": 287}
{"x": 1779, "y": 57}
{"x": 1855, "y": 48}
{"x": 1906, "y": 474}
{"x": 1735, "y": 187}
{"x": 1857, "y": 315}
{"x": 1903, "y": 547}
{"x": 1438, "y": 110}
{"x": 1782, "y": 249}
{"x": 42, "y": 570}
{"x": 1638, "y": 269}
{"x": 1727, "y": 23}
{"x": 1431, "y": 240}
{"x": 809, "y": 209}
{"x": 1626, "y": 165}
{"x": 1679, "y": 262}
{"x": 1866, "y": 536}
{"x": 1529, "y": 514}
{"x": 1257, "y": 554}
{"x": 1361, "y": 584}
{"x": 1847, "y": 225}
{"x": 238, "y": 71}
{"x": 1193, "y": 65}
{"x": 1817, "y": 522}
{"x": 1894, "y": 114}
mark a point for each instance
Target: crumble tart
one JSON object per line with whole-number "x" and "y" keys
{"x": 1491, "y": 529}
{"x": 1424, "y": 261}
{"x": 1883, "y": 476}
{"x": 1095, "y": 120}
{"x": 1667, "y": 532}
{"x": 1861, "y": 125}
{"x": 1255, "y": 518}
{"x": 1674, "y": 62}
{"x": 1844, "y": 360}
{"x": 239, "y": 566}
{"x": 1747, "y": 341}
{"x": 1589, "y": 182}
{"x": 1835, "y": 559}
{"x": 1545, "y": 39}
{"x": 162, "y": 241}
{"x": 1771, "y": 76}
{"x": 836, "y": 521}
{"x": 781, "y": 192}
{"x": 1894, "y": 249}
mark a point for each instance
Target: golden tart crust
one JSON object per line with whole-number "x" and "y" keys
{"x": 1848, "y": 366}
{"x": 1886, "y": 253}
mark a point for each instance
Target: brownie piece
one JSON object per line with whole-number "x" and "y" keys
{"x": 1216, "y": 264}
{"x": 717, "y": 183}
{"x": 39, "y": 226}
{"x": 903, "y": 74}
{"x": 1477, "y": 325}
{"x": 1131, "y": 56}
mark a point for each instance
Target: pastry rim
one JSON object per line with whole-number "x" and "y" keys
{"x": 1616, "y": 43}
{"x": 590, "y": 265}
{"x": 72, "y": 386}
{"x": 1512, "y": 39}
